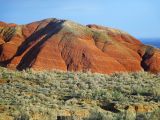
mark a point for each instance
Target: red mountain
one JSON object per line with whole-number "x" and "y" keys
{"x": 65, "y": 45}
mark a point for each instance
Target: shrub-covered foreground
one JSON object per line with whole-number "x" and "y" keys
{"x": 57, "y": 95}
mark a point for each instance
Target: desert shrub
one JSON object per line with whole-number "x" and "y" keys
{"x": 118, "y": 96}
{"x": 72, "y": 101}
{"x": 143, "y": 90}
{"x": 141, "y": 117}
{"x": 119, "y": 116}
{"x": 95, "y": 114}
{"x": 101, "y": 94}
{"x": 84, "y": 94}
{"x": 22, "y": 116}
{"x": 155, "y": 91}
{"x": 141, "y": 75}
{"x": 155, "y": 115}
{"x": 6, "y": 74}
{"x": 100, "y": 36}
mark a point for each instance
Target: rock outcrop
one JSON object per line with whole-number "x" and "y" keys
{"x": 65, "y": 45}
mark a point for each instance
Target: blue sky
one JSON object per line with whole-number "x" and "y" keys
{"x": 137, "y": 17}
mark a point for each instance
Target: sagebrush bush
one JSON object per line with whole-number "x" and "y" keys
{"x": 41, "y": 92}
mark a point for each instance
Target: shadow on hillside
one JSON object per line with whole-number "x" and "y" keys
{"x": 148, "y": 54}
{"x": 28, "y": 59}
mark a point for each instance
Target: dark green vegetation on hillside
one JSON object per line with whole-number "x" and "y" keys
{"x": 49, "y": 95}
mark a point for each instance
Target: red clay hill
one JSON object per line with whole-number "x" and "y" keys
{"x": 65, "y": 45}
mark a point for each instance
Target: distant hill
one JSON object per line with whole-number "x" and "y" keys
{"x": 153, "y": 42}
{"x": 65, "y": 45}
